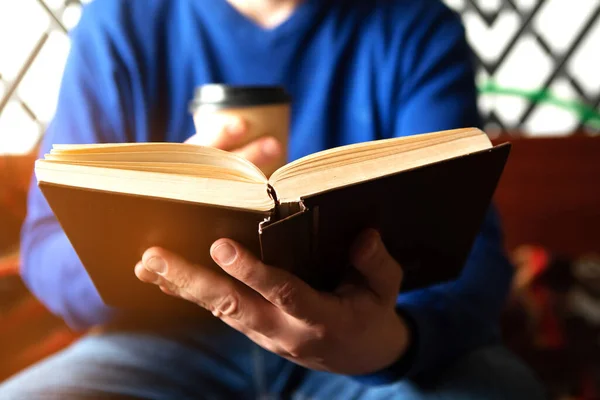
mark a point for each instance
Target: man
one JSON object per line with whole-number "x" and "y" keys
{"x": 357, "y": 70}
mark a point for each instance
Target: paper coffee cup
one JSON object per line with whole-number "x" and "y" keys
{"x": 266, "y": 110}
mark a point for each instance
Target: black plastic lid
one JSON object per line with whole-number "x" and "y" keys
{"x": 227, "y": 96}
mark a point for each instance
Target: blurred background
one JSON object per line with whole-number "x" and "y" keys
{"x": 538, "y": 64}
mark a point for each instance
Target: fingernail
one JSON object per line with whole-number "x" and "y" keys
{"x": 370, "y": 242}
{"x": 270, "y": 147}
{"x": 236, "y": 128}
{"x": 156, "y": 264}
{"x": 224, "y": 254}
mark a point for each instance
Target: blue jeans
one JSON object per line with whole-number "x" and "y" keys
{"x": 215, "y": 362}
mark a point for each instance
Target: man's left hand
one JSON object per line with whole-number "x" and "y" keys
{"x": 354, "y": 330}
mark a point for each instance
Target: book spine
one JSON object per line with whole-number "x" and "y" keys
{"x": 273, "y": 195}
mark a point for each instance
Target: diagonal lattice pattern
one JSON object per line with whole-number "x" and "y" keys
{"x": 33, "y": 48}
{"x": 537, "y": 64}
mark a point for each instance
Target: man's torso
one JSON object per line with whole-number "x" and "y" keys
{"x": 341, "y": 62}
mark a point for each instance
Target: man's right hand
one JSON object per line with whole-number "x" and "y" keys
{"x": 231, "y": 134}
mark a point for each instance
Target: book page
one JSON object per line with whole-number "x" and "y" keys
{"x": 364, "y": 161}
{"x": 145, "y": 155}
{"x": 167, "y": 170}
{"x": 194, "y": 189}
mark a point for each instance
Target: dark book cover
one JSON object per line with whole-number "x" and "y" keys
{"x": 428, "y": 218}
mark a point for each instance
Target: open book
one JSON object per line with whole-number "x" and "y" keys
{"x": 427, "y": 194}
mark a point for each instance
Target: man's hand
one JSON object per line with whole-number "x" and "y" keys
{"x": 354, "y": 331}
{"x": 230, "y": 133}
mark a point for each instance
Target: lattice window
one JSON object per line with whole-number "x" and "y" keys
{"x": 33, "y": 49}
{"x": 538, "y": 63}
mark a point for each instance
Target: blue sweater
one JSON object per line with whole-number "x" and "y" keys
{"x": 358, "y": 70}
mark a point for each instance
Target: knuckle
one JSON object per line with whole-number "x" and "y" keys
{"x": 284, "y": 296}
{"x": 228, "y": 306}
{"x": 181, "y": 280}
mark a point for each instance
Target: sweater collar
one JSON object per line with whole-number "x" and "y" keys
{"x": 300, "y": 20}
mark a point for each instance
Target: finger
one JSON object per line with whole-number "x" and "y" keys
{"x": 212, "y": 290}
{"x": 225, "y": 132}
{"x": 145, "y": 275}
{"x": 168, "y": 291}
{"x": 165, "y": 286}
{"x": 284, "y": 290}
{"x": 370, "y": 257}
{"x": 261, "y": 152}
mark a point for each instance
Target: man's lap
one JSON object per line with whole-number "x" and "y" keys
{"x": 489, "y": 373}
{"x": 147, "y": 366}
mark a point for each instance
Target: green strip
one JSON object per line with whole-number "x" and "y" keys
{"x": 586, "y": 114}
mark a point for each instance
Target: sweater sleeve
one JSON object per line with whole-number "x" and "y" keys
{"x": 449, "y": 320}
{"x": 89, "y": 110}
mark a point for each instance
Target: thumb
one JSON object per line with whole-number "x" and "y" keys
{"x": 370, "y": 257}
